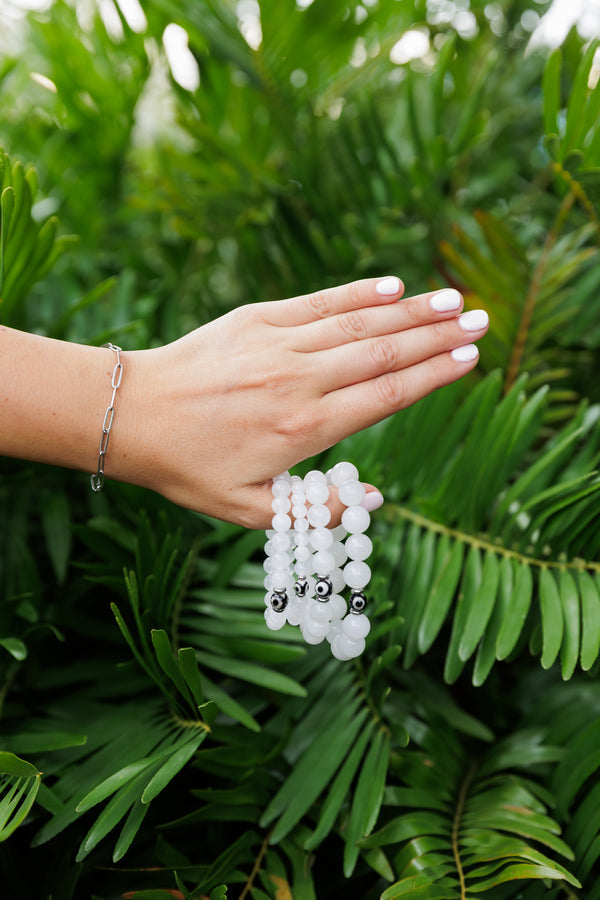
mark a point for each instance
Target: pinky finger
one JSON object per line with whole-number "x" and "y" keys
{"x": 359, "y": 406}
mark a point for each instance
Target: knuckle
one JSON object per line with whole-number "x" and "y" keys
{"x": 321, "y": 303}
{"x": 353, "y": 326}
{"x": 384, "y": 353}
{"x": 390, "y": 392}
{"x": 413, "y": 310}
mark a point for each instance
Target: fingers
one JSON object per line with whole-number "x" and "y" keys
{"x": 375, "y": 321}
{"x": 361, "y": 405}
{"x": 367, "y": 359}
{"x": 260, "y": 513}
{"x": 333, "y": 301}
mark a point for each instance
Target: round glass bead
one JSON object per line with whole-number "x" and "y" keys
{"x": 269, "y": 548}
{"x": 268, "y": 583}
{"x": 338, "y": 551}
{"x": 295, "y": 612}
{"x": 323, "y": 562}
{"x": 337, "y": 580}
{"x": 319, "y": 516}
{"x": 280, "y": 488}
{"x": 318, "y": 612}
{"x": 298, "y": 497}
{"x": 338, "y": 533}
{"x": 282, "y": 522}
{"x": 356, "y": 627}
{"x": 309, "y": 635}
{"x": 355, "y": 519}
{"x": 358, "y": 546}
{"x": 296, "y": 482}
{"x": 321, "y": 538}
{"x": 268, "y": 564}
{"x": 303, "y": 553}
{"x": 302, "y": 539}
{"x": 347, "y": 648}
{"x": 314, "y": 476}
{"x": 337, "y": 606}
{"x": 317, "y": 492}
{"x": 274, "y": 620}
{"x": 281, "y": 504}
{"x": 280, "y": 580}
{"x": 304, "y": 567}
{"x": 343, "y": 471}
{"x": 335, "y": 629}
{"x": 281, "y": 560}
{"x": 298, "y": 511}
{"x": 301, "y": 525}
{"x": 357, "y": 574}
{"x": 281, "y": 541}
{"x": 352, "y": 493}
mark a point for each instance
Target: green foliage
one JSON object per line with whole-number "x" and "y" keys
{"x": 157, "y": 739}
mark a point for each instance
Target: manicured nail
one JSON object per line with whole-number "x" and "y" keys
{"x": 474, "y": 320}
{"x": 388, "y": 286}
{"x": 373, "y": 500}
{"x": 465, "y": 354}
{"x": 444, "y": 301}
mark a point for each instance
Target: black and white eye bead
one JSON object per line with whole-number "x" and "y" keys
{"x": 301, "y": 587}
{"x": 358, "y": 602}
{"x": 279, "y": 600}
{"x": 323, "y": 588}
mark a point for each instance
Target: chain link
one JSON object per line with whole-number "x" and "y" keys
{"x": 97, "y": 479}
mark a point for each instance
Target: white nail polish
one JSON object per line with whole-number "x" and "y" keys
{"x": 465, "y": 354}
{"x": 474, "y": 320}
{"x": 373, "y": 500}
{"x": 447, "y": 300}
{"x": 388, "y": 286}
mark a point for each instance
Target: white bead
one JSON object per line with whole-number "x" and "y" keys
{"x": 280, "y": 488}
{"x": 313, "y": 477}
{"x": 316, "y": 492}
{"x": 302, "y": 539}
{"x": 296, "y": 482}
{"x": 274, "y": 620}
{"x": 301, "y": 525}
{"x": 337, "y": 606}
{"x": 339, "y": 533}
{"x": 335, "y": 630}
{"x": 343, "y": 471}
{"x": 357, "y": 574}
{"x": 352, "y": 493}
{"x": 268, "y": 564}
{"x": 336, "y": 649}
{"x": 269, "y": 548}
{"x": 298, "y": 511}
{"x": 281, "y": 541}
{"x": 269, "y": 533}
{"x": 303, "y": 553}
{"x": 298, "y": 497}
{"x": 282, "y": 522}
{"x": 281, "y": 504}
{"x": 356, "y": 626}
{"x": 321, "y": 538}
{"x": 281, "y": 580}
{"x": 320, "y": 515}
{"x": 309, "y": 635}
{"x": 317, "y": 612}
{"x": 283, "y": 476}
{"x": 350, "y": 649}
{"x": 359, "y": 546}
{"x": 337, "y": 580}
{"x": 304, "y": 567}
{"x": 355, "y": 519}
{"x": 323, "y": 562}
{"x": 338, "y": 552}
{"x": 295, "y": 612}
{"x": 281, "y": 560}
{"x": 268, "y": 588}
{"x": 315, "y": 627}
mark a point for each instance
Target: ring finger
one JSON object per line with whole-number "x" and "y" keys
{"x": 360, "y": 361}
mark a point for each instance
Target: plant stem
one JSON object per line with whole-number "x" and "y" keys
{"x": 256, "y": 867}
{"x": 539, "y": 271}
{"x": 460, "y": 805}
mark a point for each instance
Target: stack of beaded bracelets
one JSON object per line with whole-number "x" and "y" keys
{"x": 303, "y": 565}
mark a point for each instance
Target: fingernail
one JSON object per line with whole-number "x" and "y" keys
{"x": 474, "y": 320}
{"x": 465, "y": 354}
{"x": 373, "y": 500}
{"x": 446, "y": 300}
{"x": 388, "y": 286}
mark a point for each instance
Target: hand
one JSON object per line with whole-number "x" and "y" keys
{"x": 208, "y": 420}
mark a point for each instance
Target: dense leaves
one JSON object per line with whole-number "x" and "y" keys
{"x": 157, "y": 740}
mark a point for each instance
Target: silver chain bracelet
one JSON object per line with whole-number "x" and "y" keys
{"x": 97, "y": 479}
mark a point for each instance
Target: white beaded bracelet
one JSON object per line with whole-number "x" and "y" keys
{"x": 303, "y": 565}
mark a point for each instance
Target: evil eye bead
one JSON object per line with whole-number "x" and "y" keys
{"x": 323, "y": 589}
{"x": 301, "y": 587}
{"x": 358, "y": 602}
{"x": 279, "y": 601}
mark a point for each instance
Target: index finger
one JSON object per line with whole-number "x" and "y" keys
{"x": 332, "y": 301}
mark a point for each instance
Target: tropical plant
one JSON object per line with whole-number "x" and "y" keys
{"x": 157, "y": 740}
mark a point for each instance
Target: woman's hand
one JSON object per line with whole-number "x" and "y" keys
{"x": 208, "y": 420}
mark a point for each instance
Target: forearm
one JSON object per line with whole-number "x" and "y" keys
{"x": 53, "y": 396}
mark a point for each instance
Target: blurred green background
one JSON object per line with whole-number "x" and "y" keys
{"x": 163, "y": 164}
